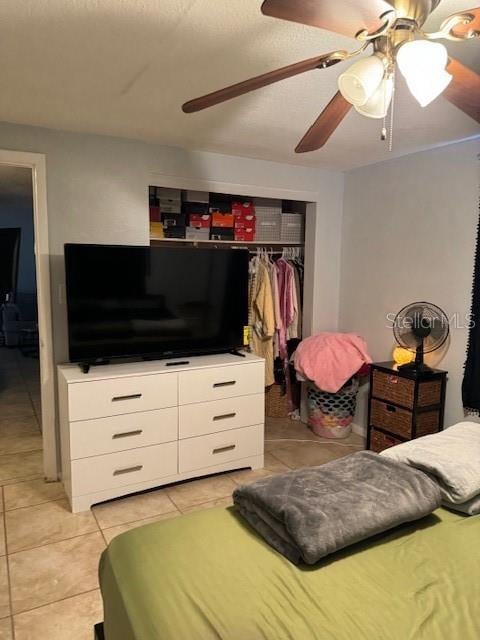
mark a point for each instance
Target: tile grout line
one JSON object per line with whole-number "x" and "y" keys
{"x": 155, "y": 515}
{"x": 35, "y": 504}
{"x": 47, "y": 544}
{"x": 49, "y": 604}
{"x": 278, "y": 460}
{"x": 7, "y": 562}
{"x": 99, "y": 527}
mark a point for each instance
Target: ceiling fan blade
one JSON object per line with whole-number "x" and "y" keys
{"x": 325, "y": 124}
{"x": 464, "y": 89}
{"x": 346, "y": 17}
{"x": 235, "y": 90}
{"x": 471, "y": 25}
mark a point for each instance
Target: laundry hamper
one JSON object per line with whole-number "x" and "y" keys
{"x": 276, "y": 402}
{"x": 330, "y": 414}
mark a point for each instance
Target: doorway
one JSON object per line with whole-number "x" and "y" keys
{"x": 27, "y": 409}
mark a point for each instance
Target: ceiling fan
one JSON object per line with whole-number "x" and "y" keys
{"x": 393, "y": 28}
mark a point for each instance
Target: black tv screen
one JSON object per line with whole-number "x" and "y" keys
{"x": 161, "y": 302}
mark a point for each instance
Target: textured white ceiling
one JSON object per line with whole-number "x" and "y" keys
{"x": 124, "y": 67}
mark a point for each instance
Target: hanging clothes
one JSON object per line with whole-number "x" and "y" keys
{"x": 262, "y": 316}
{"x": 276, "y": 313}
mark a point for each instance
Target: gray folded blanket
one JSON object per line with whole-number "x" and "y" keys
{"x": 310, "y": 513}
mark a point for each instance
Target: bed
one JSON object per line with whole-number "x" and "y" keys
{"x": 207, "y": 576}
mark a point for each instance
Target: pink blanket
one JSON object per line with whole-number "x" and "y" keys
{"x": 330, "y": 359}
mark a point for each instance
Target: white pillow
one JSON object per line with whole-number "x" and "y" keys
{"x": 452, "y": 457}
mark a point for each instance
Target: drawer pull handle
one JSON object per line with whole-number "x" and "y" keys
{"x": 127, "y": 434}
{"x": 391, "y": 408}
{"x": 133, "y": 396}
{"x": 119, "y": 472}
{"x": 225, "y": 416}
{"x": 229, "y": 447}
{"x": 229, "y": 383}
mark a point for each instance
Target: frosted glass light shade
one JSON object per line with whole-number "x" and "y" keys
{"x": 377, "y": 105}
{"x": 422, "y": 64}
{"x": 360, "y": 81}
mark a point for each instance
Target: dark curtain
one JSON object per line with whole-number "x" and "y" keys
{"x": 471, "y": 379}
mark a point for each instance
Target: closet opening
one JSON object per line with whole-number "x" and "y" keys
{"x": 273, "y": 231}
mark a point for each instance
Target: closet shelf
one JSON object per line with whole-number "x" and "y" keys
{"x": 259, "y": 243}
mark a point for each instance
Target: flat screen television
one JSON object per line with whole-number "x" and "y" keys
{"x": 158, "y": 302}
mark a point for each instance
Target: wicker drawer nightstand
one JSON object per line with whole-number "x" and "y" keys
{"x": 403, "y": 406}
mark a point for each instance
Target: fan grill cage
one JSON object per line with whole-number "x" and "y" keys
{"x": 421, "y": 316}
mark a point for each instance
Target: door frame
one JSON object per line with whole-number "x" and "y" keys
{"x": 37, "y": 163}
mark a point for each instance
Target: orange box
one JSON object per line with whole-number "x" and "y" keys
{"x": 222, "y": 219}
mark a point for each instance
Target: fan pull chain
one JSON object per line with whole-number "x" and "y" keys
{"x": 389, "y": 132}
{"x": 392, "y": 110}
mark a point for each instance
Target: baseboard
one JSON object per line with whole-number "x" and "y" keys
{"x": 359, "y": 429}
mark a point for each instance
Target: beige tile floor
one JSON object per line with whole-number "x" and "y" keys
{"x": 49, "y": 556}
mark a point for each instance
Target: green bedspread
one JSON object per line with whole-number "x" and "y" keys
{"x": 207, "y": 576}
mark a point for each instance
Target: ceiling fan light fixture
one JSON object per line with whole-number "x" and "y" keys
{"x": 377, "y": 106}
{"x": 360, "y": 81}
{"x": 422, "y": 64}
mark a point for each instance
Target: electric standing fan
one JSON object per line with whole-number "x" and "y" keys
{"x": 420, "y": 327}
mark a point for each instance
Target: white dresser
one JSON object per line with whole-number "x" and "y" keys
{"x": 130, "y": 427}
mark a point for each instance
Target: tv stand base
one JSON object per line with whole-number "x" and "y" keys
{"x": 234, "y": 352}
{"x": 86, "y": 366}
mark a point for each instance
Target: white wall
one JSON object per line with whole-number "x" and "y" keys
{"x": 409, "y": 230}
{"x": 98, "y": 192}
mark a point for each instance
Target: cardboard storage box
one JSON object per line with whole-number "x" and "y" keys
{"x": 156, "y": 231}
{"x": 196, "y": 208}
{"x": 170, "y": 206}
{"x": 222, "y": 219}
{"x": 221, "y": 233}
{"x": 200, "y": 221}
{"x": 243, "y": 208}
{"x": 173, "y": 219}
{"x": 155, "y": 214}
{"x": 197, "y": 196}
{"x": 164, "y": 193}
{"x": 222, "y": 205}
{"x": 194, "y": 233}
{"x": 175, "y": 232}
{"x": 245, "y": 222}
{"x": 245, "y": 235}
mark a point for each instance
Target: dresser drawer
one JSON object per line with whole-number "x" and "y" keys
{"x": 380, "y": 441}
{"x": 391, "y": 418}
{"x": 216, "y": 449}
{"x": 401, "y": 422}
{"x": 222, "y": 382}
{"x": 103, "y": 398}
{"x": 119, "y": 433}
{"x": 220, "y": 415}
{"x": 393, "y": 388}
{"x": 123, "y": 468}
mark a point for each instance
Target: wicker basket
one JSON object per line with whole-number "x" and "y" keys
{"x": 276, "y": 402}
{"x": 393, "y": 388}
